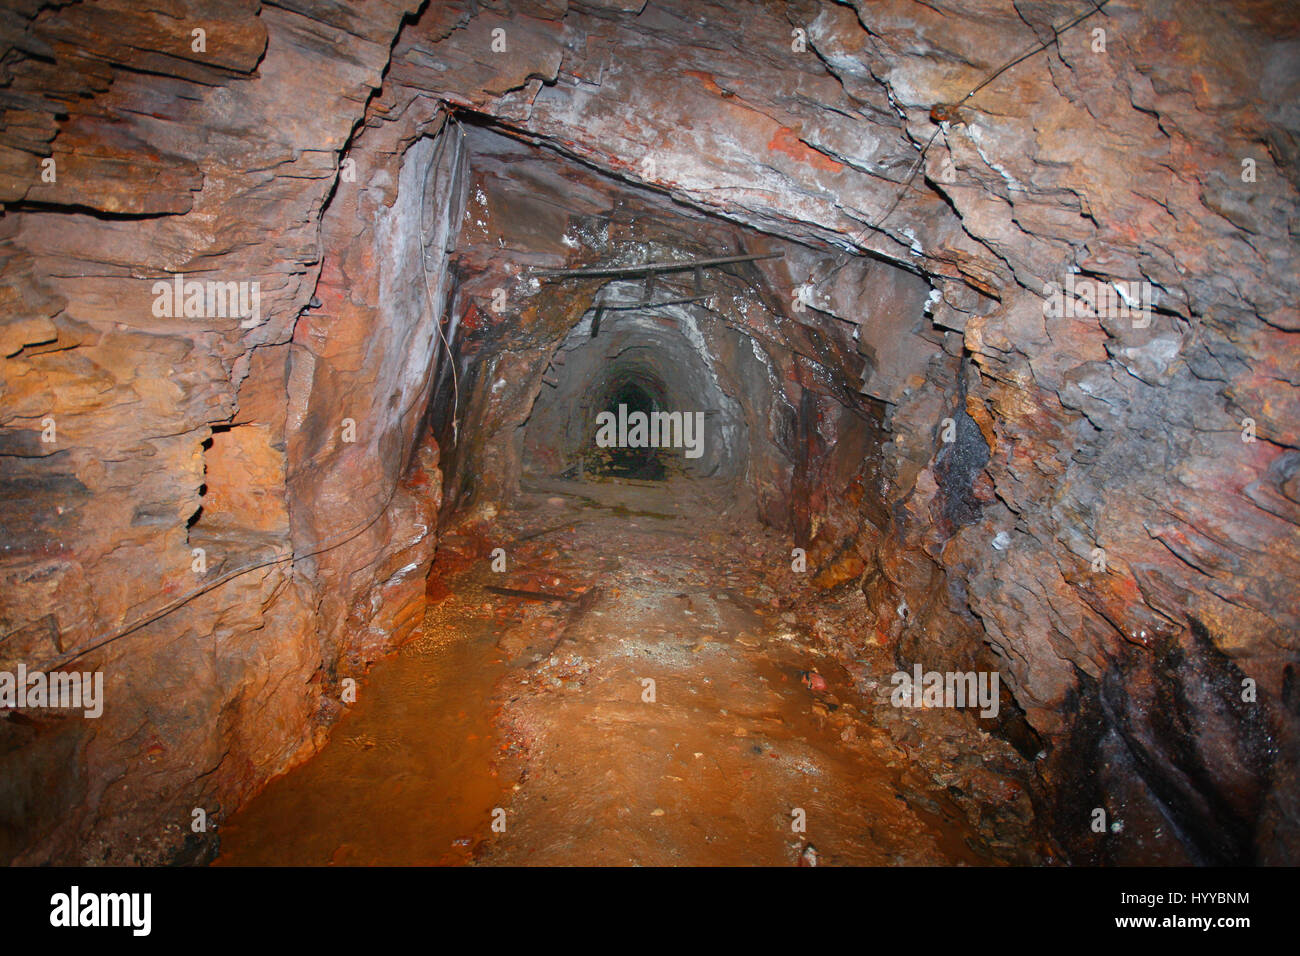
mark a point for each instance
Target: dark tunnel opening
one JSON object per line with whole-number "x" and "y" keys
{"x": 629, "y": 399}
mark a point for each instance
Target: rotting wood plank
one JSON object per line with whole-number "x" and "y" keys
{"x": 529, "y": 595}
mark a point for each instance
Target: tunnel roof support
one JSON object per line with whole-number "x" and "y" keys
{"x": 650, "y": 268}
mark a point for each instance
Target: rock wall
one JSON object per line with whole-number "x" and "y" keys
{"x": 176, "y": 432}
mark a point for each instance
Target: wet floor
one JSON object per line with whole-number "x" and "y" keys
{"x": 405, "y": 777}
{"x": 623, "y": 693}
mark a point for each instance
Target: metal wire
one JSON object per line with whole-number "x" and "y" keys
{"x": 1095, "y": 6}
{"x": 180, "y": 602}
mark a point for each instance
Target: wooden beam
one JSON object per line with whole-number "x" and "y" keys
{"x": 655, "y": 305}
{"x": 633, "y": 306}
{"x": 529, "y": 595}
{"x": 650, "y": 267}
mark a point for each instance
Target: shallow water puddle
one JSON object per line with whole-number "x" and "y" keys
{"x": 407, "y": 776}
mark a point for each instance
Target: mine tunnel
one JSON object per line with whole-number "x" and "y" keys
{"x": 646, "y": 434}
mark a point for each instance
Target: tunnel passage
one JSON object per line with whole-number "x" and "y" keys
{"x": 635, "y": 396}
{"x": 781, "y": 387}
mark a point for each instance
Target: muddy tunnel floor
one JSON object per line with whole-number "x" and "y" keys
{"x": 629, "y": 692}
